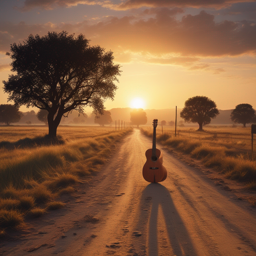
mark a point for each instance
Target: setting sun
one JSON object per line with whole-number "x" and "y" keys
{"x": 137, "y": 103}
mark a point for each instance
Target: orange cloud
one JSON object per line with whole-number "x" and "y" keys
{"x": 197, "y": 35}
{"x": 183, "y": 61}
{"x": 162, "y": 35}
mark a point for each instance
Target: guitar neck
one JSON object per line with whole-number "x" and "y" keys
{"x": 154, "y": 143}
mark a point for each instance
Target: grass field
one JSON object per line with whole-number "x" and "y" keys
{"x": 237, "y": 139}
{"x": 226, "y": 149}
{"x": 35, "y": 172}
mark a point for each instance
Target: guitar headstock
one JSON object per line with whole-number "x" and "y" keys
{"x": 155, "y": 123}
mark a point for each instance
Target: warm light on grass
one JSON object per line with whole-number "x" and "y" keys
{"x": 10, "y": 219}
{"x": 32, "y": 177}
{"x": 213, "y": 155}
{"x": 55, "y": 205}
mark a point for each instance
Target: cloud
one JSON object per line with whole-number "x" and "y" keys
{"x": 183, "y": 61}
{"x": 247, "y": 10}
{"x": 200, "y": 67}
{"x": 165, "y": 11}
{"x": 219, "y": 70}
{"x": 51, "y": 4}
{"x": 192, "y": 37}
{"x": 130, "y": 4}
{"x": 197, "y": 35}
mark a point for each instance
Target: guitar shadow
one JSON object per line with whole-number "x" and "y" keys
{"x": 153, "y": 197}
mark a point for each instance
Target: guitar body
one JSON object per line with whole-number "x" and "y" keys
{"x": 153, "y": 170}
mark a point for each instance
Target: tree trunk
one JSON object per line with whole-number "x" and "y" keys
{"x": 200, "y": 126}
{"x": 244, "y": 124}
{"x": 53, "y": 124}
{"x": 52, "y": 129}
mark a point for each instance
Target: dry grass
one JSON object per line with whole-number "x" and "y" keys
{"x": 67, "y": 190}
{"x": 55, "y": 205}
{"x": 36, "y": 212}
{"x": 61, "y": 181}
{"x": 10, "y": 219}
{"x": 233, "y": 162}
{"x": 26, "y": 203}
{"x": 33, "y": 175}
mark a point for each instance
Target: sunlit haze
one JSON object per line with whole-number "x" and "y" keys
{"x": 137, "y": 103}
{"x": 168, "y": 51}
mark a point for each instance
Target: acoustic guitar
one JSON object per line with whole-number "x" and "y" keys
{"x": 153, "y": 170}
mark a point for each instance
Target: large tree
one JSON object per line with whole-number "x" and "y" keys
{"x": 9, "y": 114}
{"x": 138, "y": 117}
{"x": 103, "y": 119}
{"x": 243, "y": 114}
{"x": 199, "y": 109}
{"x": 60, "y": 72}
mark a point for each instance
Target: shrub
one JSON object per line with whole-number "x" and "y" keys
{"x": 36, "y": 212}
{"x": 10, "y": 219}
{"x": 9, "y": 204}
{"x": 26, "y": 203}
{"x": 10, "y": 192}
{"x": 68, "y": 190}
{"x": 41, "y": 194}
{"x": 62, "y": 181}
{"x": 55, "y": 205}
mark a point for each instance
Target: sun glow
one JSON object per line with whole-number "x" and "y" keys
{"x": 137, "y": 103}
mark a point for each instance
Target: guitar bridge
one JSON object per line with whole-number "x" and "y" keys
{"x": 153, "y": 168}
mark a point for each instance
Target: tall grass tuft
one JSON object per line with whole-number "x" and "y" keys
{"x": 36, "y": 212}
{"x": 10, "y": 219}
{"x": 26, "y": 203}
{"x": 41, "y": 194}
{"x": 62, "y": 181}
{"x": 55, "y": 205}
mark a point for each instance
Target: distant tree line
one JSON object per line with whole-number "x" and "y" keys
{"x": 198, "y": 109}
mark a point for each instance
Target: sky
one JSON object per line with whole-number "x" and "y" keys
{"x": 168, "y": 50}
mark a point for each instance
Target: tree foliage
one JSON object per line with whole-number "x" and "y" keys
{"x": 138, "y": 117}
{"x": 163, "y": 122}
{"x": 81, "y": 118}
{"x": 60, "y": 72}
{"x": 9, "y": 114}
{"x": 103, "y": 119}
{"x": 243, "y": 114}
{"x": 42, "y": 115}
{"x": 199, "y": 109}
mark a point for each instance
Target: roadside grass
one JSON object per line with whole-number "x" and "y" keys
{"x": 36, "y": 212}
{"x": 225, "y": 160}
{"x": 55, "y": 205}
{"x": 32, "y": 178}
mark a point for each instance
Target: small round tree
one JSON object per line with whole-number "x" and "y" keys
{"x": 138, "y": 117}
{"x": 199, "y": 109}
{"x": 9, "y": 114}
{"x": 42, "y": 115}
{"x": 163, "y": 122}
{"x": 243, "y": 114}
{"x": 103, "y": 119}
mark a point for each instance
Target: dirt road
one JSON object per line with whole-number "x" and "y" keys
{"x": 119, "y": 213}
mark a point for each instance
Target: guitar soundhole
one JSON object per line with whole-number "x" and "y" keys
{"x": 154, "y": 158}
